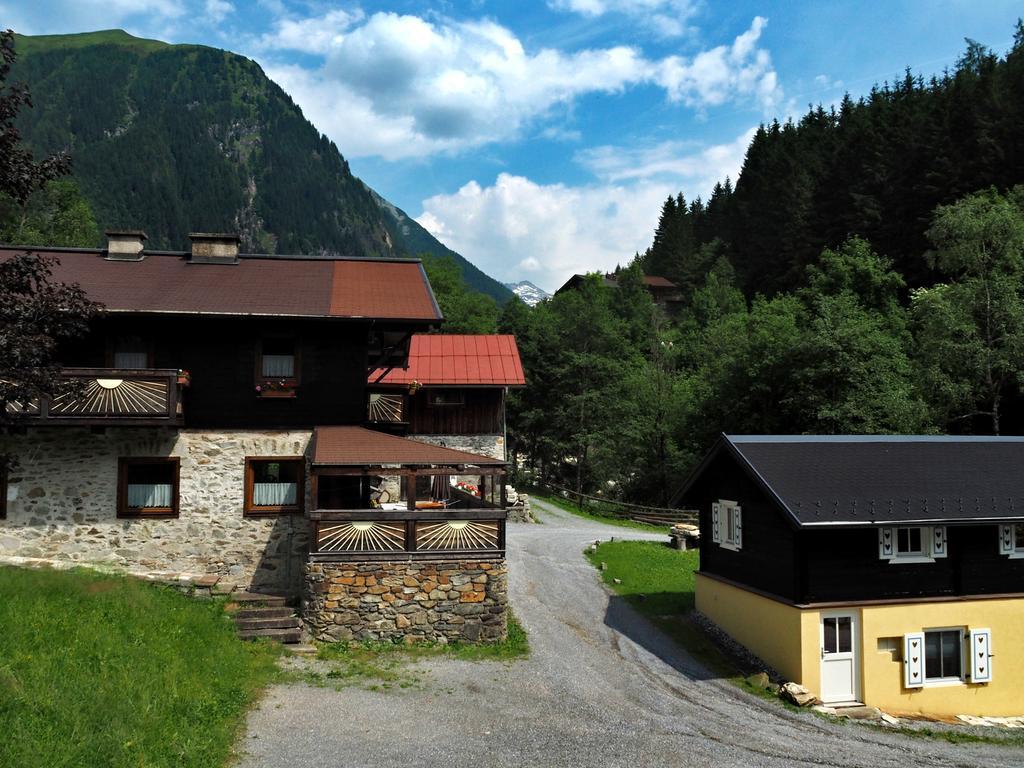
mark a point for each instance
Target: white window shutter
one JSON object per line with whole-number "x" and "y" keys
{"x": 1006, "y": 542}
{"x": 716, "y": 527}
{"x": 939, "y": 542}
{"x": 738, "y": 511}
{"x": 913, "y": 660}
{"x": 886, "y": 543}
{"x": 981, "y": 655}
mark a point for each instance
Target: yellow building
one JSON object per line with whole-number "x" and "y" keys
{"x": 875, "y": 569}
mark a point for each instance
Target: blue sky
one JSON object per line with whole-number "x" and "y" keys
{"x": 540, "y": 138}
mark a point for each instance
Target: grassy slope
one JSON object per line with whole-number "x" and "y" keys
{"x": 97, "y": 670}
{"x": 571, "y": 508}
{"x": 36, "y": 43}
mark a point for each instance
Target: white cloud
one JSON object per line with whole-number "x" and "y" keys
{"x": 218, "y": 10}
{"x": 716, "y": 76}
{"x": 402, "y": 86}
{"x": 518, "y": 229}
{"x": 698, "y": 166}
{"x": 667, "y": 18}
{"x": 315, "y": 34}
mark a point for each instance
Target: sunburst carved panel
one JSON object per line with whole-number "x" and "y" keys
{"x": 457, "y": 534}
{"x": 361, "y": 536}
{"x": 114, "y": 397}
{"x": 381, "y": 407}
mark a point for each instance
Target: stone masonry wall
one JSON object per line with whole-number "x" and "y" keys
{"x": 482, "y": 445}
{"x": 411, "y": 600}
{"x": 62, "y": 505}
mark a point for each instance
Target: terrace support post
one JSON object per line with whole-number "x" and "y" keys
{"x": 410, "y": 490}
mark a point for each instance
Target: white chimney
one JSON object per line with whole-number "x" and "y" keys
{"x": 125, "y": 244}
{"x": 212, "y": 248}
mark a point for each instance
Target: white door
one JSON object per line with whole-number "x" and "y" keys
{"x": 839, "y": 662}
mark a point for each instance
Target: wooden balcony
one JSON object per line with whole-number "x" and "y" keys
{"x": 382, "y": 534}
{"x": 110, "y": 397}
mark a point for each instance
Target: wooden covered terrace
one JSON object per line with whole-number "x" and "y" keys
{"x": 444, "y": 503}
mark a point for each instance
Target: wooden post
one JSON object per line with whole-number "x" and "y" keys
{"x": 410, "y": 490}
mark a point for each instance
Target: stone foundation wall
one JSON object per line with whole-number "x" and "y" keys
{"x": 482, "y": 445}
{"x": 62, "y": 505}
{"x": 411, "y": 600}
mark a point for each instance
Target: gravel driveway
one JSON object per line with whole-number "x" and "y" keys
{"x": 601, "y": 688}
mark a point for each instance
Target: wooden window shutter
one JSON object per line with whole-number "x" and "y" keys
{"x": 1006, "y": 542}
{"x": 886, "y": 543}
{"x": 981, "y": 655}
{"x": 939, "y": 542}
{"x": 738, "y": 511}
{"x": 913, "y": 660}
{"x": 716, "y": 527}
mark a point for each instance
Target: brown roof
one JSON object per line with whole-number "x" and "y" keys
{"x": 257, "y": 285}
{"x": 358, "y": 446}
{"x": 656, "y": 281}
{"x": 440, "y": 359}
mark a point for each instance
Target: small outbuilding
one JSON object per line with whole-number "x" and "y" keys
{"x": 887, "y": 570}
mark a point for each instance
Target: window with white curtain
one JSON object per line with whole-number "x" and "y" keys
{"x": 277, "y": 360}
{"x": 274, "y": 485}
{"x": 148, "y": 486}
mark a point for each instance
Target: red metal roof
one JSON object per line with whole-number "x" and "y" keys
{"x": 459, "y": 360}
{"x": 358, "y": 446}
{"x": 168, "y": 283}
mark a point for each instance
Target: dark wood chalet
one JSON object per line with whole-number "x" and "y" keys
{"x": 451, "y": 393}
{"x": 219, "y": 429}
{"x": 838, "y": 559}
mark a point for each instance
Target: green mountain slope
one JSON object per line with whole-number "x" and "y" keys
{"x": 174, "y": 139}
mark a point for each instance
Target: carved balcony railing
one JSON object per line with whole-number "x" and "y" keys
{"x": 376, "y": 534}
{"x": 110, "y": 397}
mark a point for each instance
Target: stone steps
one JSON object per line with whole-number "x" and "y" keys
{"x": 278, "y": 622}
{"x": 286, "y": 636}
{"x": 261, "y": 615}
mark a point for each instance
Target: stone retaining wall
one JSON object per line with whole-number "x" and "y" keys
{"x": 410, "y": 600}
{"x": 62, "y": 505}
{"x": 481, "y": 445}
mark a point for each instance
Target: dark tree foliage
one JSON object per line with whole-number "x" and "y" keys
{"x": 36, "y": 314}
{"x": 875, "y": 168}
{"x": 20, "y": 174}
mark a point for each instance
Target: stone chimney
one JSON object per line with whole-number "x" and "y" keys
{"x": 125, "y": 244}
{"x": 211, "y": 248}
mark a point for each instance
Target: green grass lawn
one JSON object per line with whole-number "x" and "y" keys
{"x": 381, "y": 665}
{"x": 99, "y": 670}
{"x": 572, "y": 508}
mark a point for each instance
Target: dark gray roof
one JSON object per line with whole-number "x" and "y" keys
{"x": 871, "y": 479}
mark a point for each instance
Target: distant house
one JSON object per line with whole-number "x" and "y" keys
{"x": 663, "y": 291}
{"x": 220, "y": 433}
{"x": 451, "y": 394}
{"x": 887, "y": 570}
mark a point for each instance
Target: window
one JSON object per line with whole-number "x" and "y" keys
{"x": 838, "y": 631}
{"x": 908, "y": 542}
{"x": 936, "y": 657}
{"x": 441, "y": 397}
{"x": 912, "y": 544}
{"x": 274, "y": 485}
{"x": 147, "y": 487}
{"x": 727, "y": 524}
{"x": 1011, "y": 540}
{"x": 277, "y": 368}
{"x": 130, "y": 352}
{"x": 943, "y": 655}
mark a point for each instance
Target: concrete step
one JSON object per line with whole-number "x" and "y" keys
{"x": 280, "y": 635}
{"x": 250, "y": 599}
{"x": 284, "y": 622}
{"x": 263, "y": 612}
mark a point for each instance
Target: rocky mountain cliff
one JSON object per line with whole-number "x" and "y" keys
{"x": 528, "y": 292}
{"x": 174, "y": 139}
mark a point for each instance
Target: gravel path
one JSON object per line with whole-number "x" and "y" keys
{"x": 602, "y": 688}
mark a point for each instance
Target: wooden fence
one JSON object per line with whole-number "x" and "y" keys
{"x": 635, "y": 512}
